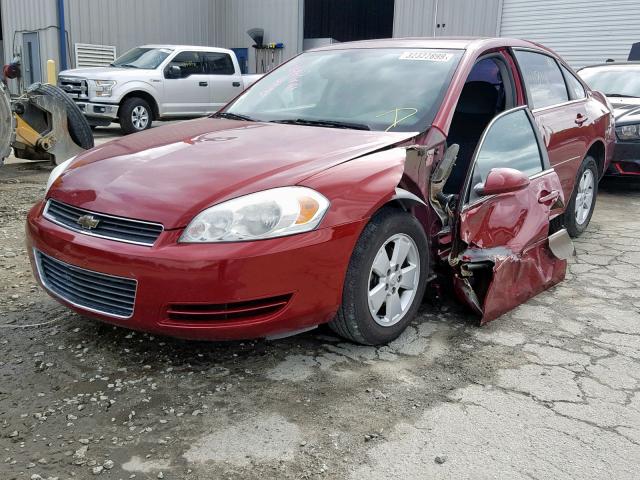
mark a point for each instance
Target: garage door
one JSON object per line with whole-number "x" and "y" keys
{"x": 582, "y": 31}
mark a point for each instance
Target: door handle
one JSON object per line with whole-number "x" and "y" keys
{"x": 580, "y": 119}
{"x": 203, "y": 84}
{"x": 548, "y": 197}
{"x": 236, "y": 84}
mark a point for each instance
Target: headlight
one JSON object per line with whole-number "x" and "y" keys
{"x": 104, "y": 87}
{"x": 267, "y": 214}
{"x": 56, "y": 172}
{"x": 628, "y": 132}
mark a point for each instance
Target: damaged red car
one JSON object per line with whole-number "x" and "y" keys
{"x": 336, "y": 190}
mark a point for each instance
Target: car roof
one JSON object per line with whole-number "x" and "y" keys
{"x": 187, "y": 47}
{"x": 635, "y": 63}
{"x": 459, "y": 43}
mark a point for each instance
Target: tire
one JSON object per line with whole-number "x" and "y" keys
{"x": 576, "y": 220}
{"x": 130, "y": 109}
{"x": 354, "y": 319}
{"x": 79, "y": 128}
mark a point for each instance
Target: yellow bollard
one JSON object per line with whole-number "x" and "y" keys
{"x": 52, "y": 78}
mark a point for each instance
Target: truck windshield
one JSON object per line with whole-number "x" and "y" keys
{"x": 613, "y": 81}
{"x": 387, "y": 89}
{"x": 141, "y": 57}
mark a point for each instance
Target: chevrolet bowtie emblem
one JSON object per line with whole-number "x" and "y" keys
{"x": 88, "y": 222}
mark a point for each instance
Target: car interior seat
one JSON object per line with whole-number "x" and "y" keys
{"x": 477, "y": 106}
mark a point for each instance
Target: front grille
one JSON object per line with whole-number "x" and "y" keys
{"x": 76, "y": 88}
{"x": 199, "y": 312}
{"x": 101, "y": 225}
{"x": 94, "y": 291}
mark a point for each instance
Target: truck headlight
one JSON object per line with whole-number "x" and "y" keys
{"x": 267, "y": 214}
{"x": 104, "y": 87}
{"x": 628, "y": 132}
{"x": 56, "y": 172}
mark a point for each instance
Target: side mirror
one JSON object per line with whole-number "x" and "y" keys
{"x": 502, "y": 180}
{"x": 174, "y": 71}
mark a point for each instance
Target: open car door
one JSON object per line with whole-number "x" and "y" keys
{"x": 503, "y": 253}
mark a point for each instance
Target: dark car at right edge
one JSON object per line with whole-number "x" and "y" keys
{"x": 620, "y": 82}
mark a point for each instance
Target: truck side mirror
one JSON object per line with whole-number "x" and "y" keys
{"x": 174, "y": 71}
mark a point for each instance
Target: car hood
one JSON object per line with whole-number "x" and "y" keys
{"x": 171, "y": 173}
{"x": 625, "y": 109}
{"x": 106, "y": 73}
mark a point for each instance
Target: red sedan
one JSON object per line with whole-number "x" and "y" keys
{"x": 337, "y": 189}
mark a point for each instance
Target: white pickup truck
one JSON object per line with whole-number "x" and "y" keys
{"x": 156, "y": 82}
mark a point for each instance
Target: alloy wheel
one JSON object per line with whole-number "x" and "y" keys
{"x": 584, "y": 196}
{"x": 140, "y": 117}
{"x": 393, "y": 280}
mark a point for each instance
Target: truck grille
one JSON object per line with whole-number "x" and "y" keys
{"x": 101, "y": 225}
{"x": 76, "y": 88}
{"x": 94, "y": 291}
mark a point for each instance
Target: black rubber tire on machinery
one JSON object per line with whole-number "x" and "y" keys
{"x": 79, "y": 128}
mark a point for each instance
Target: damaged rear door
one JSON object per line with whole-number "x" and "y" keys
{"x": 503, "y": 253}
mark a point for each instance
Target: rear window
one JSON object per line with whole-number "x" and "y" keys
{"x": 576, "y": 90}
{"x": 218, "y": 63}
{"x": 543, "y": 79}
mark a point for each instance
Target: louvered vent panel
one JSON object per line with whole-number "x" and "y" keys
{"x": 88, "y": 55}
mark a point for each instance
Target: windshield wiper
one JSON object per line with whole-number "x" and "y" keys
{"x": 232, "y": 116}
{"x": 619, "y": 95}
{"x": 324, "y": 123}
{"x": 127, "y": 65}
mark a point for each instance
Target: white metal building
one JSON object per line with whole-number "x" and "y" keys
{"x": 583, "y": 31}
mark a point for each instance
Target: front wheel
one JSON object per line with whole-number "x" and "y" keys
{"x": 583, "y": 201}
{"x": 135, "y": 115}
{"x": 385, "y": 281}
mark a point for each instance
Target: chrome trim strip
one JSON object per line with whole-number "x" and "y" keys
{"x": 578, "y": 157}
{"x": 36, "y": 256}
{"x": 556, "y": 105}
{"x": 86, "y": 232}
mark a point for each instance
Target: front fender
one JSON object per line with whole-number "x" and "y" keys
{"x": 127, "y": 87}
{"x": 360, "y": 187}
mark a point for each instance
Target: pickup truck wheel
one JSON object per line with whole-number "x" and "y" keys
{"x": 135, "y": 115}
{"x": 385, "y": 280}
{"x": 583, "y": 201}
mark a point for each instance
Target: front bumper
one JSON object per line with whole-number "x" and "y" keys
{"x": 307, "y": 269}
{"x": 99, "y": 113}
{"x": 626, "y": 160}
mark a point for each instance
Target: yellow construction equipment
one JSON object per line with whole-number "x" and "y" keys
{"x": 42, "y": 124}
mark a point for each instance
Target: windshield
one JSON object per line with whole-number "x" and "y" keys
{"x": 141, "y": 57}
{"x": 379, "y": 89}
{"x": 614, "y": 80}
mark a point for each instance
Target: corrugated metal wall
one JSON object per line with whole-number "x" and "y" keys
{"x": 282, "y": 21}
{"x": 475, "y": 18}
{"x": 427, "y": 18}
{"x": 123, "y": 23}
{"x": 414, "y": 18}
{"x": 127, "y": 24}
{"x": 581, "y": 31}
{"x": 29, "y": 15}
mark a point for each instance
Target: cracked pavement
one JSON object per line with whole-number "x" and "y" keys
{"x": 550, "y": 390}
